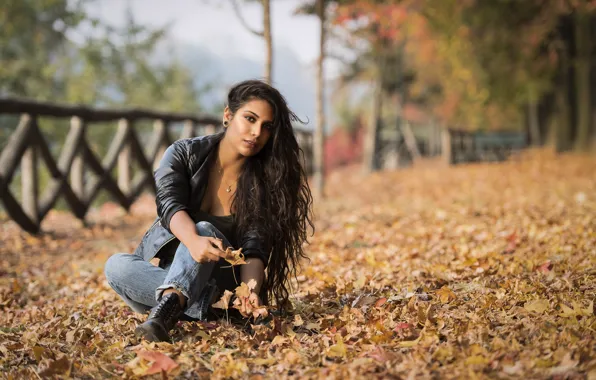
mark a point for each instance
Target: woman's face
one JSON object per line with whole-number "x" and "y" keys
{"x": 249, "y": 128}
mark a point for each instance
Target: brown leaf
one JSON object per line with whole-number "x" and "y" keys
{"x": 380, "y": 302}
{"x": 57, "y": 367}
{"x": 160, "y": 362}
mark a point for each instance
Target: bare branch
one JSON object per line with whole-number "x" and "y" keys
{"x": 243, "y": 21}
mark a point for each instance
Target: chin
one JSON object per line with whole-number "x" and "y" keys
{"x": 247, "y": 151}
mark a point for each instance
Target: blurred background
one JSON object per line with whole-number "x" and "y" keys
{"x": 381, "y": 84}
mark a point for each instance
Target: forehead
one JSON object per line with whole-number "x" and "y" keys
{"x": 260, "y": 107}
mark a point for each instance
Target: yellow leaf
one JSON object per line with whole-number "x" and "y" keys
{"x": 409, "y": 343}
{"x": 298, "y": 320}
{"x": 243, "y": 290}
{"x": 359, "y": 283}
{"x": 584, "y": 311}
{"x": 279, "y": 340}
{"x": 265, "y": 362}
{"x": 538, "y": 306}
{"x": 476, "y": 359}
{"x": 338, "y": 349}
{"x": 566, "y": 311}
{"x": 445, "y": 294}
{"x": 38, "y": 352}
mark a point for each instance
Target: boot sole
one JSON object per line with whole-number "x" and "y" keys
{"x": 151, "y": 334}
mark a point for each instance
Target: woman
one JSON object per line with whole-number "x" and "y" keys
{"x": 244, "y": 187}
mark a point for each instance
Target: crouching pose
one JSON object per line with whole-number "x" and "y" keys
{"x": 244, "y": 188}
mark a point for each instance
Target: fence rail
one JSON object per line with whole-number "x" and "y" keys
{"x": 78, "y": 175}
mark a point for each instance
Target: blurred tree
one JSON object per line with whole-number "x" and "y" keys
{"x": 111, "y": 67}
{"x": 497, "y": 64}
{"x": 320, "y": 9}
{"x": 380, "y": 30}
{"x": 265, "y": 33}
{"x": 32, "y": 41}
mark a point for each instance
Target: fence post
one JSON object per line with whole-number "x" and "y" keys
{"x": 446, "y": 146}
{"x": 124, "y": 164}
{"x": 29, "y": 178}
{"x": 159, "y": 129}
{"x": 188, "y": 130}
{"x": 77, "y": 171}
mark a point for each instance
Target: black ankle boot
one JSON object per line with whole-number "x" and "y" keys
{"x": 161, "y": 320}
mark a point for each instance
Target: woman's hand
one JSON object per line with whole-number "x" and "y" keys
{"x": 206, "y": 249}
{"x": 251, "y": 306}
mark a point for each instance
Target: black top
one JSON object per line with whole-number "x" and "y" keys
{"x": 225, "y": 224}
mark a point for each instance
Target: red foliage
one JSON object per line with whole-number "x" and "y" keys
{"x": 343, "y": 147}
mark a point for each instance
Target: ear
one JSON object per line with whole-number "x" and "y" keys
{"x": 227, "y": 114}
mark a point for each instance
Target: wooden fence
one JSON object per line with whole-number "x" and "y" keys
{"x": 78, "y": 175}
{"x": 465, "y": 146}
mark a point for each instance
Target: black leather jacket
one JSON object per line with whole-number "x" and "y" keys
{"x": 181, "y": 181}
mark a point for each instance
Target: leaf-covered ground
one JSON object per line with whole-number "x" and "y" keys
{"x": 477, "y": 271}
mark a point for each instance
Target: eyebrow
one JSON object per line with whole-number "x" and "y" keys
{"x": 269, "y": 122}
{"x": 253, "y": 113}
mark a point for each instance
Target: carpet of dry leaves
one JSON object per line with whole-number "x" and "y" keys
{"x": 476, "y": 271}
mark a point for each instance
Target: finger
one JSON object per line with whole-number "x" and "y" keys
{"x": 217, "y": 242}
{"x": 217, "y": 253}
{"x": 208, "y": 256}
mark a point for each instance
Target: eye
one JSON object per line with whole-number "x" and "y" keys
{"x": 269, "y": 126}
{"x": 250, "y": 118}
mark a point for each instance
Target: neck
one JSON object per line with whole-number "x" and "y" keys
{"x": 229, "y": 159}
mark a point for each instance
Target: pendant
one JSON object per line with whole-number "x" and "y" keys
{"x": 229, "y": 189}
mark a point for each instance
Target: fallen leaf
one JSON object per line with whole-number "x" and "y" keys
{"x": 537, "y": 306}
{"x": 298, "y": 320}
{"x": 57, "y": 367}
{"x": 380, "y": 302}
{"x": 445, "y": 295}
{"x": 159, "y": 361}
{"x": 338, "y": 349}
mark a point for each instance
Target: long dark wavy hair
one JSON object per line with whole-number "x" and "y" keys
{"x": 272, "y": 195}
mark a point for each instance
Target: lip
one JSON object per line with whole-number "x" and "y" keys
{"x": 250, "y": 144}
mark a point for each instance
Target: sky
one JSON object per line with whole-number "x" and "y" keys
{"x": 213, "y": 25}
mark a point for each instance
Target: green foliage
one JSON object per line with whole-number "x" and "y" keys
{"x": 110, "y": 67}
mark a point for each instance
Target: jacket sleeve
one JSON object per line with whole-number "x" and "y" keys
{"x": 252, "y": 246}
{"x": 172, "y": 181}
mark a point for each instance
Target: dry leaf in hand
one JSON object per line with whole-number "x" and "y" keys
{"x": 235, "y": 257}
{"x": 224, "y": 301}
{"x": 247, "y": 302}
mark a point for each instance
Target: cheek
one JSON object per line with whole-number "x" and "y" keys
{"x": 242, "y": 126}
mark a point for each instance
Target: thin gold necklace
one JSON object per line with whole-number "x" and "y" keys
{"x": 220, "y": 171}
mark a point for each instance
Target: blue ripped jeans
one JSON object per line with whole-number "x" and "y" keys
{"x": 141, "y": 284}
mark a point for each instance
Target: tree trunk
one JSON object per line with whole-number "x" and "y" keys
{"x": 319, "y": 137}
{"x": 371, "y": 138}
{"x": 410, "y": 140}
{"x": 535, "y": 138}
{"x": 582, "y": 80}
{"x": 563, "y": 122}
{"x": 268, "y": 40}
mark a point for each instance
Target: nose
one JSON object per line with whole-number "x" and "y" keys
{"x": 256, "y": 130}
